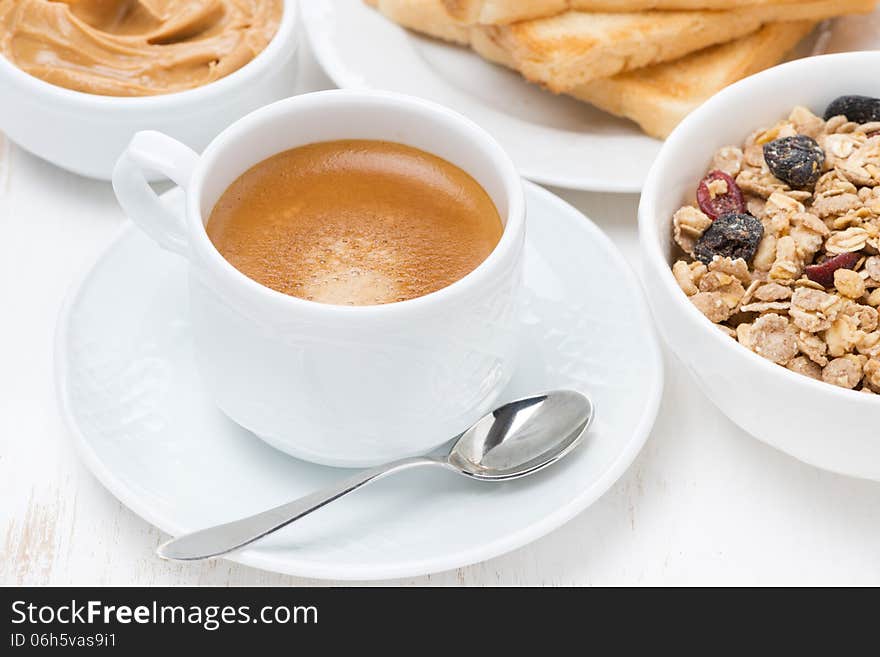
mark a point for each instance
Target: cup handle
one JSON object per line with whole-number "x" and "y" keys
{"x": 153, "y": 151}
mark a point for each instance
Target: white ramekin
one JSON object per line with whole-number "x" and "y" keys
{"x": 339, "y": 385}
{"x": 827, "y": 426}
{"x": 85, "y": 133}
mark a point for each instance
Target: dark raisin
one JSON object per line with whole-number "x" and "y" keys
{"x": 861, "y": 109}
{"x": 731, "y": 202}
{"x": 734, "y": 235}
{"x": 795, "y": 160}
{"x": 823, "y": 272}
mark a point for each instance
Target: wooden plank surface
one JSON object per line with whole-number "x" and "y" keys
{"x": 703, "y": 503}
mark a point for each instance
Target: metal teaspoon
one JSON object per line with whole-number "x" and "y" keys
{"x": 512, "y": 441}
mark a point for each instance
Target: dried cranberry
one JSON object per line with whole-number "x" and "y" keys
{"x": 729, "y": 203}
{"x": 823, "y": 272}
{"x": 730, "y": 236}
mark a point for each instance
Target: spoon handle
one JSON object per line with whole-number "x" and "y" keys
{"x": 219, "y": 540}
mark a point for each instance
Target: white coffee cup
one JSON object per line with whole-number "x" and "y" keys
{"x": 338, "y": 385}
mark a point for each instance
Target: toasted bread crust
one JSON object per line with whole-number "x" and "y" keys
{"x": 490, "y": 12}
{"x": 502, "y": 12}
{"x": 568, "y": 50}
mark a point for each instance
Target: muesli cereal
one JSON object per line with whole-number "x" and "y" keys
{"x": 782, "y": 246}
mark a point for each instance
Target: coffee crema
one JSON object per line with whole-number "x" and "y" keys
{"x": 355, "y": 222}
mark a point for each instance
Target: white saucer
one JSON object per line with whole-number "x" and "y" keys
{"x": 553, "y": 140}
{"x": 132, "y": 397}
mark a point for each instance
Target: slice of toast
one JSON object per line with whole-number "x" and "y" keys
{"x": 660, "y": 96}
{"x": 500, "y": 12}
{"x": 566, "y": 51}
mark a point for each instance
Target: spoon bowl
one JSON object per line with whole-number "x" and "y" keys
{"x": 523, "y": 436}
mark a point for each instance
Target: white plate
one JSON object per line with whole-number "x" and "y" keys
{"x": 554, "y": 140}
{"x": 132, "y": 397}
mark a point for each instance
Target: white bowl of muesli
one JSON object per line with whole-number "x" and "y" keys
{"x": 760, "y": 231}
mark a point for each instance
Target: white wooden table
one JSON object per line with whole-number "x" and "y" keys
{"x": 703, "y": 504}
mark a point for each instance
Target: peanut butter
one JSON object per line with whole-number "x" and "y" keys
{"x": 135, "y": 47}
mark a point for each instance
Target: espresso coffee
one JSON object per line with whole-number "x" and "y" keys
{"x": 355, "y": 222}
